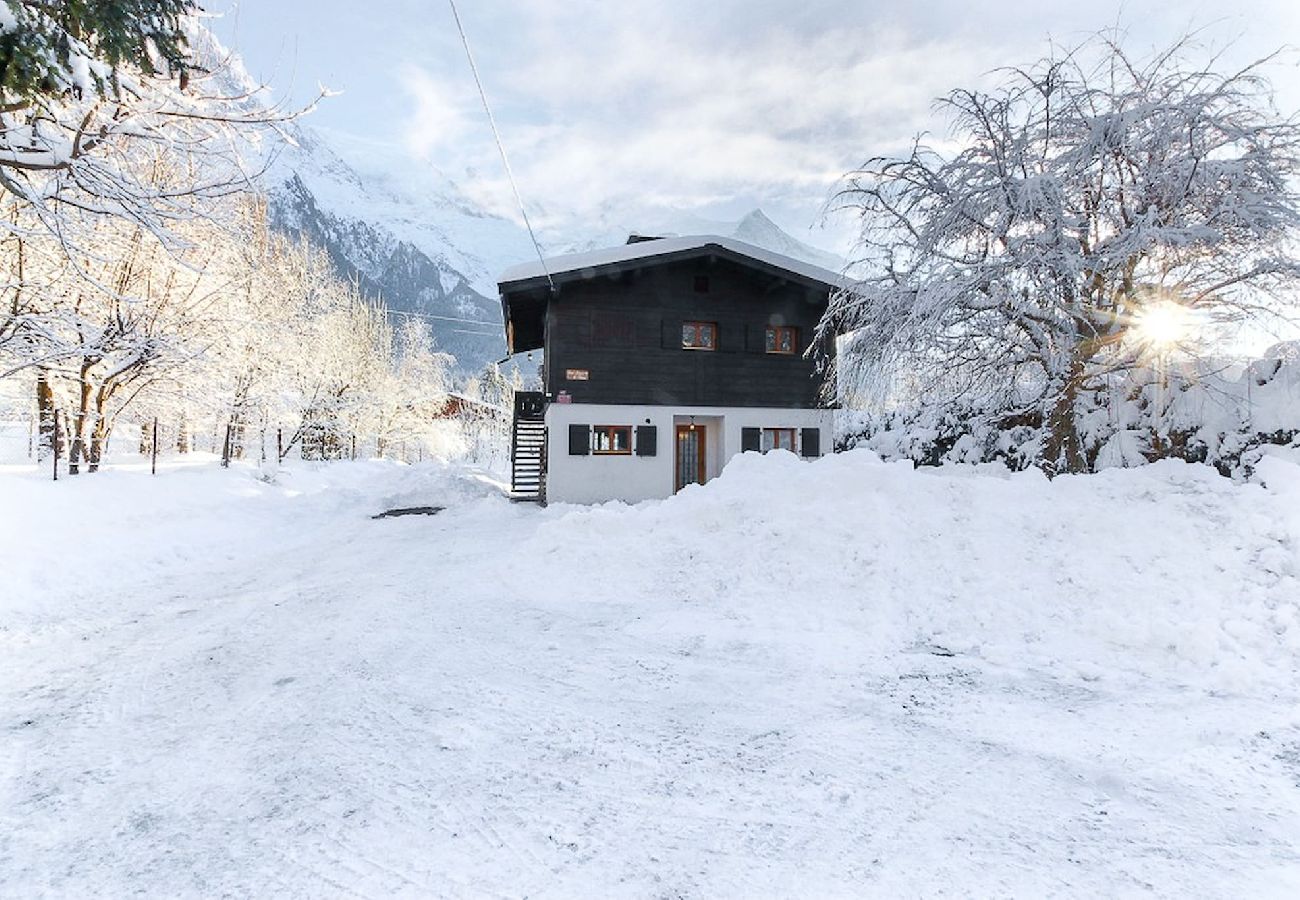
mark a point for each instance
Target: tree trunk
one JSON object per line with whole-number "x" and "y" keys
{"x": 98, "y": 441}
{"x": 183, "y": 437}
{"x": 1064, "y": 451}
{"x": 237, "y": 430}
{"x": 78, "y": 449}
{"x": 46, "y": 439}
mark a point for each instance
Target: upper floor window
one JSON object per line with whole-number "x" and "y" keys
{"x": 699, "y": 335}
{"x": 782, "y": 339}
{"x": 612, "y": 440}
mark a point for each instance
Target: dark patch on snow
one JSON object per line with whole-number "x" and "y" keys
{"x": 1289, "y": 757}
{"x": 410, "y": 511}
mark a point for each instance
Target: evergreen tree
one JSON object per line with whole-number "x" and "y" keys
{"x": 49, "y": 50}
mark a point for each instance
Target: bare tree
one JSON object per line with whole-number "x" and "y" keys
{"x": 1091, "y": 192}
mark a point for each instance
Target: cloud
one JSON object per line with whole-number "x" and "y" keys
{"x": 670, "y": 116}
{"x": 673, "y": 105}
{"x": 438, "y": 116}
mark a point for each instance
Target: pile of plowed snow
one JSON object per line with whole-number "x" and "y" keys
{"x": 1168, "y": 568}
{"x": 830, "y": 678}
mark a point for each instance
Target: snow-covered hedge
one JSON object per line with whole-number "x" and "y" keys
{"x": 1199, "y": 412}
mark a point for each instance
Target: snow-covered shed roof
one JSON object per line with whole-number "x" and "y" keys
{"x": 667, "y": 246}
{"x": 522, "y": 287}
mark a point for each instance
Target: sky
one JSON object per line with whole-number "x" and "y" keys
{"x": 622, "y": 109}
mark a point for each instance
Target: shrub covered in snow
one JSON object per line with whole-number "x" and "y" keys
{"x": 1197, "y": 412}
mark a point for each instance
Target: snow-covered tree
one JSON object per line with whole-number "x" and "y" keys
{"x": 1097, "y": 205}
{"x": 89, "y": 88}
{"x": 413, "y": 409}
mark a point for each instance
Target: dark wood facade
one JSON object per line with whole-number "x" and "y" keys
{"x": 615, "y": 336}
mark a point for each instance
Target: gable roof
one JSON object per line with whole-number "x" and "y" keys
{"x": 585, "y": 265}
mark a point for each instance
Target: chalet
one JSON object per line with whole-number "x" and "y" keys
{"x": 662, "y": 359}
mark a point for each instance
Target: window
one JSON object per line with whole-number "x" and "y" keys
{"x": 701, "y": 284}
{"x": 777, "y": 439}
{"x": 699, "y": 335}
{"x": 611, "y": 440}
{"x": 782, "y": 339}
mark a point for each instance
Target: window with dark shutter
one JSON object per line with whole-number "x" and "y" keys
{"x": 782, "y": 339}
{"x": 699, "y": 335}
{"x": 647, "y": 439}
{"x": 579, "y": 440}
{"x": 811, "y": 439}
{"x": 751, "y": 439}
{"x": 777, "y": 439}
{"x": 611, "y": 440}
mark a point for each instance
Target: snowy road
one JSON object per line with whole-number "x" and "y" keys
{"x": 235, "y": 688}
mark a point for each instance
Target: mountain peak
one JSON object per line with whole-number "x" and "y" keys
{"x": 756, "y": 218}
{"x": 758, "y": 229}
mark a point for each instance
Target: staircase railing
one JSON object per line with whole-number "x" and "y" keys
{"x": 528, "y": 447}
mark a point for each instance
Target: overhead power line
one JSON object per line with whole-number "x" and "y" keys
{"x": 501, "y": 147}
{"x": 420, "y": 315}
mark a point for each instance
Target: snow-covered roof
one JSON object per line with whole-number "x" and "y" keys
{"x": 667, "y": 246}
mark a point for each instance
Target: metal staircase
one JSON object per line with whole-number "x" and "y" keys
{"x": 528, "y": 448}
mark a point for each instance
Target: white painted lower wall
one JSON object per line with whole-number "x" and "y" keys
{"x": 595, "y": 479}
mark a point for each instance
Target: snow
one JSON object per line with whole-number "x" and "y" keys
{"x": 830, "y": 678}
{"x": 576, "y": 262}
{"x": 755, "y": 227}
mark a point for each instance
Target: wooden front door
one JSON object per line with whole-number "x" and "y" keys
{"x": 690, "y": 455}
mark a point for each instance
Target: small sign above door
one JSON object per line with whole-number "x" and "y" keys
{"x": 576, "y": 375}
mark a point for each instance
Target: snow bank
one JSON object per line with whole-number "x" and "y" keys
{"x": 839, "y": 678}
{"x": 1169, "y": 566}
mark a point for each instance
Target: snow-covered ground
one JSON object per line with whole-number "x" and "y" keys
{"x": 834, "y": 678}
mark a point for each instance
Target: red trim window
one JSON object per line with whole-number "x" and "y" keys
{"x": 777, "y": 439}
{"x": 699, "y": 335}
{"x": 611, "y": 440}
{"x": 782, "y": 339}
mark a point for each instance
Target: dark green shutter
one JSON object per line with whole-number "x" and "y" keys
{"x": 751, "y": 439}
{"x": 812, "y": 442}
{"x": 647, "y": 439}
{"x": 579, "y": 440}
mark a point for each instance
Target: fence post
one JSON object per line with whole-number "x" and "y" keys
{"x": 153, "y": 448}
{"x": 54, "y": 455}
{"x": 225, "y": 449}
{"x": 354, "y": 445}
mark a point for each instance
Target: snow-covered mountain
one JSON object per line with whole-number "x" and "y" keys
{"x": 425, "y": 247}
{"x": 417, "y": 246}
{"x": 754, "y": 228}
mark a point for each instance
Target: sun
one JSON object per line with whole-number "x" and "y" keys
{"x": 1163, "y": 325}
